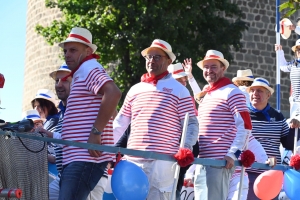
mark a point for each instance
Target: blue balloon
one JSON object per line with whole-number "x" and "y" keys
{"x": 52, "y": 169}
{"x": 291, "y": 184}
{"x": 129, "y": 181}
{"x": 107, "y": 196}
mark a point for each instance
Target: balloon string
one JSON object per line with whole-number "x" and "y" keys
{"x": 118, "y": 159}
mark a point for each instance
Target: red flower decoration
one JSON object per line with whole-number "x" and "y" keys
{"x": 295, "y": 162}
{"x": 185, "y": 184}
{"x": 247, "y": 158}
{"x": 2, "y": 80}
{"x": 184, "y": 157}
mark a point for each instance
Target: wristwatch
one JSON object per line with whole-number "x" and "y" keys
{"x": 95, "y": 131}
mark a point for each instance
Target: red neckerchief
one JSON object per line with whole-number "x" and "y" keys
{"x": 92, "y": 56}
{"x": 220, "y": 83}
{"x": 153, "y": 79}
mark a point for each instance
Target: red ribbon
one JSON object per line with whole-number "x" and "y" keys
{"x": 79, "y": 37}
{"x": 282, "y": 26}
{"x": 9, "y": 192}
{"x": 211, "y": 56}
{"x": 178, "y": 71}
{"x": 160, "y": 44}
{"x": 118, "y": 159}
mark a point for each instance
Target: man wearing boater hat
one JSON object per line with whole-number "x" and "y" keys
{"x": 224, "y": 122}
{"x": 84, "y": 121}
{"x": 156, "y": 108}
{"x": 269, "y": 126}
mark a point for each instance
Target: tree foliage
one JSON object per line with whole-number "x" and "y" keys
{"x": 123, "y": 28}
{"x": 290, "y": 7}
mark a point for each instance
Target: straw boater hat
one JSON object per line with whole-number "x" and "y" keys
{"x": 62, "y": 68}
{"x": 80, "y": 35}
{"x": 244, "y": 75}
{"x": 296, "y": 44}
{"x": 261, "y": 82}
{"x": 285, "y": 32}
{"x": 163, "y": 45}
{"x": 45, "y": 94}
{"x": 32, "y": 114}
{"x": 213, "y": 55}
{"x": 177, "y": 70}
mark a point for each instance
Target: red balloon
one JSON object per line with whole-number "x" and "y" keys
{"x": 268, "y": 184}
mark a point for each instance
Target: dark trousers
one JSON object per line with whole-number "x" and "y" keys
{"x": 251, "y": 195}
{"x": 78, "y": 179}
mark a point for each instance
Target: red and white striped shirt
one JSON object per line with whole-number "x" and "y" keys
{"x": 82, "y": 109}
{"x": 223, "y": 119}
{"x": 155, "y": 113}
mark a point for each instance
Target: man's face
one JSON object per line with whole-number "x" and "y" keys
{"x": 182, "y": 80}
{"x": 62, "y": 88}
{"x": 74, "y": 53}
{"x": 158, "y": 61}
{"x": 259, "y": 97}
{"x": 213, "y": 70}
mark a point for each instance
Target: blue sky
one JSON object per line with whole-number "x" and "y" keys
{"x": 12, "y": 56}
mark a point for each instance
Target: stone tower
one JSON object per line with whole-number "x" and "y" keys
{"x": 257, "y": 54}
{"x": 40, "y": 57}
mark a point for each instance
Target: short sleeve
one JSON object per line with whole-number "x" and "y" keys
{"x": 96, "y": 79}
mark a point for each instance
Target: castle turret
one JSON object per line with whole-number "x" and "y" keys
{"x": 40, "y": 57}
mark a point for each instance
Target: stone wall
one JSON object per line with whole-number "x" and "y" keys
{"x": 258, "y": 47}
{"x": 40, "y": 57}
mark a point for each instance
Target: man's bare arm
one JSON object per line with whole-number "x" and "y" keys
{"x": 110, "y": 99}
{"x": 111, "y": 96}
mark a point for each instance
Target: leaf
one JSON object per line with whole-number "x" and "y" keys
{"x": 290, "y": 12}
{"x": 292, "y": 5}
{"x": 285, "y": 5}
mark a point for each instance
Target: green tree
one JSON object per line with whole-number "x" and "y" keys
{"x": 123, "y": 28}
{"x": 289, "y": 7}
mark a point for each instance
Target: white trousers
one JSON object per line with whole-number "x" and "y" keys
{"x": 213, "y": 184}
{"x": 200, "y": 187}
{"x": 234, "y": 188}
{"x": 160, "y": 175}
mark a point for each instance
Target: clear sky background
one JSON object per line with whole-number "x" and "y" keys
{"x": 12, "y": 57}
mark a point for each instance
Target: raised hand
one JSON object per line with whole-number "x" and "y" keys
{"x": 278, "y": 47}
{"x": 187, "y": 65}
